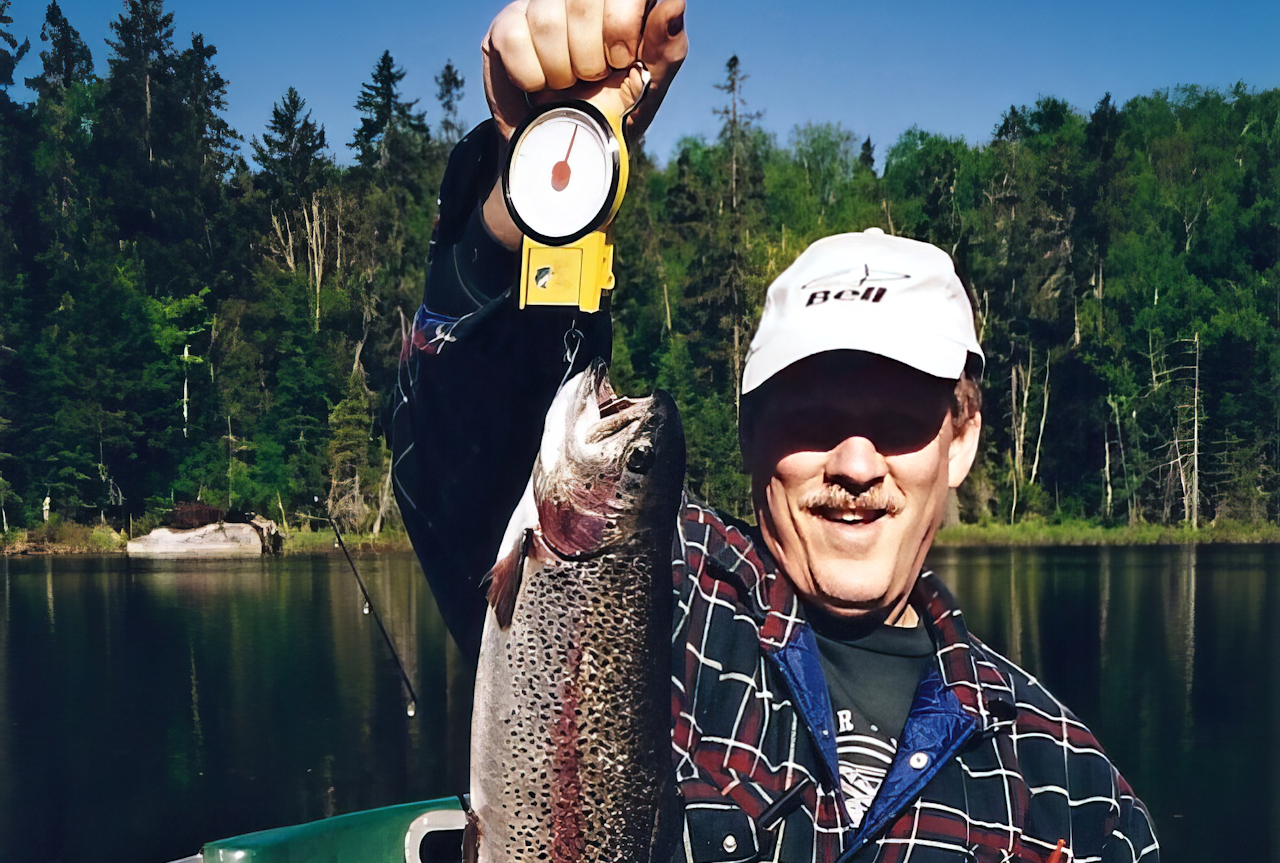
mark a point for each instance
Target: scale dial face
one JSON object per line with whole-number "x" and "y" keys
{"x": 562, "y": 175}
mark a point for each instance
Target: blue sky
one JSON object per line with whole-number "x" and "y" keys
{"x": 878, "y": 68}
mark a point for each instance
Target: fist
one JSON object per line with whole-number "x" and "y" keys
{"x": 538, "y": 50}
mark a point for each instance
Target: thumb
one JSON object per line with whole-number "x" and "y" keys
{"x": 663, "y": 48}
{"x": 665, "y": 43}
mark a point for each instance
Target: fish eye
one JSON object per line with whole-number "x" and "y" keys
{"x": 640, "y": 459}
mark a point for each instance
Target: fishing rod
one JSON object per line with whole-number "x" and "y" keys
{"x": 370, "y": 608}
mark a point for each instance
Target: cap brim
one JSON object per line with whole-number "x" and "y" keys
{"x": 935, "y": 355}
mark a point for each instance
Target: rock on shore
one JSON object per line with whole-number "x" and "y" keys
{"x": 211, "y": 540}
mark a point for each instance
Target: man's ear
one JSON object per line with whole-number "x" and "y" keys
{"x": 963, "y": 450}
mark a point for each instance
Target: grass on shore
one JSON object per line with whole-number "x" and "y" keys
{"x": 1034, "y": 531}
{"x": 66, "y": 537}
{"x": 63, "y": 537}
{"x": 321, "y": 541}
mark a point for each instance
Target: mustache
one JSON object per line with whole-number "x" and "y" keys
{"x": 839, "y": 497}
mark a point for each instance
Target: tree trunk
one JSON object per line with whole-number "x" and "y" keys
{"x": 1044, "y": 412}
{"x": 1106, "y": 469}
{"x": 284, "y": 241}
{"x": 384, "y": 502}
{"x": 1195, "y": 446}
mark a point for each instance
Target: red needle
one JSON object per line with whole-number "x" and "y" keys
{"x": 560, "y": 170}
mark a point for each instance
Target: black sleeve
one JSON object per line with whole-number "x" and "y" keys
{"x": 476, "y": 377}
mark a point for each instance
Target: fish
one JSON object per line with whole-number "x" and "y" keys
{"x": 571, "y": 722}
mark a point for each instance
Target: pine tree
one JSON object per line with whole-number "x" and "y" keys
{"x": 291, "y": 153}
{"x": 68, "y": 60}
{"x": 349, "y": 455}
{"x": 867, "y": 158}
{"x": 209, "y": 143}
{"x": 141, "y": 68}
{"x": 722, "y": 271}
{"x": 9, "y": 57}
{"x": 449, "y": 85}
{"x": 384, "y": 113}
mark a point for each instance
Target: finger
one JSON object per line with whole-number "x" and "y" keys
{"x": 586, "y": 47}
{"x": 549, "y": 30}
{"x": 510, "y": 39}
{"x": 507, "y": 102}
{"x": 664, "y": 48}
{"x": 622, "y": 21}
{"x": 665, "y": 43}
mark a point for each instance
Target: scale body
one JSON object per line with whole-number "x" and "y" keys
{"x": 564, "y": 180}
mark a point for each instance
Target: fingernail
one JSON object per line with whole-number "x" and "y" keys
{"x": 620, "y": 55}
{"x": 676, "y": 25}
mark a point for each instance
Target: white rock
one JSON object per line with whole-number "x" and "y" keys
{"x": 211, "y": 540}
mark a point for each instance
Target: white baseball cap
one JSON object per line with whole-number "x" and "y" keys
{"x": 866, "y": 291}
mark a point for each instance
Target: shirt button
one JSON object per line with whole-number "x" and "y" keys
{"x": 730, "y": 844}
{"x": 919, "y": 760}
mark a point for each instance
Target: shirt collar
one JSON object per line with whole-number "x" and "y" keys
{"x": 982, "y": 689}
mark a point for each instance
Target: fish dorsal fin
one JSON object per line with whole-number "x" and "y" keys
{"x": 504, "y": 580}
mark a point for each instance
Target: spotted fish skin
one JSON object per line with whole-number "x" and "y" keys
{"x": 571, "y": 728}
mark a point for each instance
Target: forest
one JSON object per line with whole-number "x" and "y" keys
{"x": 191, "y": 313}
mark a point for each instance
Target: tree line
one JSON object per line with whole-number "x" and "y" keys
{"x": 178, "y": 323}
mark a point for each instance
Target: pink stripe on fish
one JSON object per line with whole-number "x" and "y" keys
{"x": 567, "y": 840}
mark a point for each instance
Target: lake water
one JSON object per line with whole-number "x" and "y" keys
{"x": 147, "y": 708}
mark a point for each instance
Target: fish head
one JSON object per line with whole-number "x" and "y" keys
{"x": 610, "y": 468}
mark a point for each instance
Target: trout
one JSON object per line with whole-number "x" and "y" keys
{"x": 571, "y": 725}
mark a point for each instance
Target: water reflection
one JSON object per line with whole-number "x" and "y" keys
{"x": 145, "y": 709}
{"x": 1165, "y": 653}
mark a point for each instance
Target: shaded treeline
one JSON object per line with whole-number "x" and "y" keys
{"x": 178, "y": 325}
{"x": 175, "y": 323}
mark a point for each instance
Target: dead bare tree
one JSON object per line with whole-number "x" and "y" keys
{"x": 316, "y": 226}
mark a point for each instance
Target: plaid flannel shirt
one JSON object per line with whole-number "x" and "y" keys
{"x": 990, "y": 766}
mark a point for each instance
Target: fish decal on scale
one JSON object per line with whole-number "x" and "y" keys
{"x": 571, "y": 724}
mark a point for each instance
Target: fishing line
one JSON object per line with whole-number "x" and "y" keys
{"x": 370, "y": 609}
{"x": 571, "y": 353}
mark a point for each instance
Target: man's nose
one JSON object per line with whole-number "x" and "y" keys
{"x": 856, "y": 461}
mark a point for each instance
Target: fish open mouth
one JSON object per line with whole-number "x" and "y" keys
{"x": 607, "y": 399}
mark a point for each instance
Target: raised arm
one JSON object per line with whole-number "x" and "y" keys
{"x": 477, "y": 373}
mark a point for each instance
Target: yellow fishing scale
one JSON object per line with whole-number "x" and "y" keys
{"x": 564, "y": 180}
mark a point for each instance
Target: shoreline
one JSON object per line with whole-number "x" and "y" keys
{"x": 1039, "y": 533}
{"x": 15, "y": 544}
{"x": 1026, "y": 534}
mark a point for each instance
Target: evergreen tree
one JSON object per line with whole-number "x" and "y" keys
{"x": 211, "y": 148}
{"x": 349, "y": 455}
{"x": 384, "y": 112}
{"x": 141, "y": 72}
{"x": 867, "y": 158}
{"x": 67, "y": 61}
{"x": 291, "y": 154}
{"x": 12, "y": 55}
{"x": 449, "y": 84}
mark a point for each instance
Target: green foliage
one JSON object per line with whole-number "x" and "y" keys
{"x": 1100, "y": 249}
{"x": 388, "y": 122}
{"x": 176, "y": 325}
{"x": 12, "y": 54}
{"x": 291, "y": 153}
{"x": 173, "y": 324}
{"x": 67, "y": 61}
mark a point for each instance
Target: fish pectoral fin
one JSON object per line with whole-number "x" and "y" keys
{"x": 504, "y": 580}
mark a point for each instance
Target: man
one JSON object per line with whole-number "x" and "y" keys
{"x": 828, "y": 701}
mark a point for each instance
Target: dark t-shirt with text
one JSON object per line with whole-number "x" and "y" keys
{"x": 872, "y": 679}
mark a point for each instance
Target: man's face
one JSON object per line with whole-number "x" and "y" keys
{"x": 851, "y": 456}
